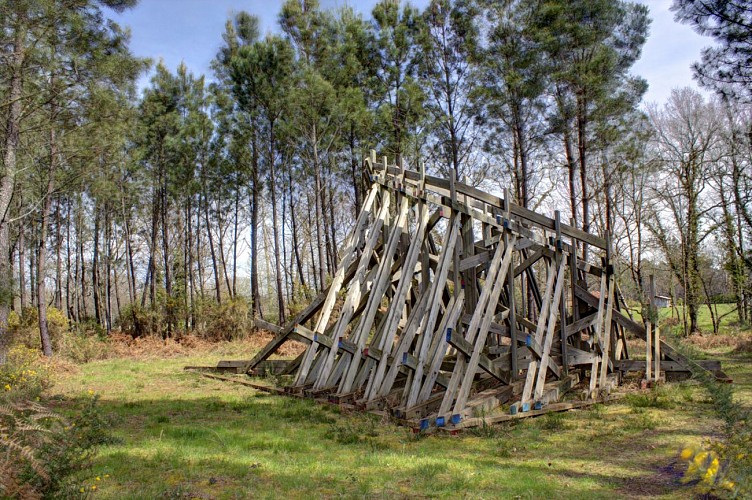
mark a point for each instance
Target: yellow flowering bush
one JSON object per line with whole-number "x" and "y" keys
{"x": 25, "y": 329}
{"x": 713, "y": 471}
{"x": 24, "y": 375}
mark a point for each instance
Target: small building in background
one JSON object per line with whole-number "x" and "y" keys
{"x": 662, "y": 301}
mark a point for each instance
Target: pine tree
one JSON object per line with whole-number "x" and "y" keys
{"x": 724, "y": 68}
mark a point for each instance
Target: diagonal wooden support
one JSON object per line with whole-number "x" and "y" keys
{"x": 337, "y": 282}
{"x": 438, "y": 352}
{"x": 398, "y": 301}
{"x": 527, "y": 390}
{"x": 608, "y": 326}
{"x": 354, "y": 294}
{"x": 460, "y": 366}
{"x": 428, "y": 333}
{"x": 596, "y": 337}
{"x": 482, "y": 332}
{"x": 545, "y": 357}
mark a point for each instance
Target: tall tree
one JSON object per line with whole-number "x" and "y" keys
{"x": 261, "y": 73}
{"x": 687, "y": 136}
{"x": 510, "y": 100}
{"x": 448, "y": 38}
{"x": 724, "y": 68}
{"x": 590, "y": 46}
{"x": 243, "y": 31}
{"x": 400, "y": 102}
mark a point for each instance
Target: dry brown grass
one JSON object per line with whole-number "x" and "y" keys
{"x": 124, "y": 346}
{"x": 711, "y": 341}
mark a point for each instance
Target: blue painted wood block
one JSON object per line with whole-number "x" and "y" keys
{"x": 538, "y": 405}
{"x": 440, "y": 422}
{"x": 525, "y": 407}
{"x": 423, "y": 424}
{"x": 449, "y": 334}
{"x": 456, "y": 419}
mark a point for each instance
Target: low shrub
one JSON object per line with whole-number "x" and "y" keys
{"x": 137, "y": 321}
{"x": 24, "y": 375}
{"x": 24, "y": 329}
{"x": 229, "y": 320}
{"x": 655, "y": 398}
{"x": 81, "y": 347}
{"x": 43, "y": 455}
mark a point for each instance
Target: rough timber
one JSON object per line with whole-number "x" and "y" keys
{"x": 450, "y": 302}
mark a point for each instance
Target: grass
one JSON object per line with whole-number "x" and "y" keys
{"x": 180, "y": 435}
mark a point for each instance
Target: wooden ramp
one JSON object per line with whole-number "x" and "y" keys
{"x": 450, "y": 302}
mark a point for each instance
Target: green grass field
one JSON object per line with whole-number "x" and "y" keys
{"x": 180, "y": 435}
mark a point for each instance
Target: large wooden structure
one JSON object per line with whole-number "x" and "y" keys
{"x": 449, "y": 301}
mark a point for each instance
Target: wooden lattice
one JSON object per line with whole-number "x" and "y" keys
{"x": 449, "y": 302}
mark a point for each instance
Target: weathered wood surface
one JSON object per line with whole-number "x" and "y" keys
{"x": 428, "y": 318}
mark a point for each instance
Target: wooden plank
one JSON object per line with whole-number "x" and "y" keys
{"x": 545, "y": 359}
{"x": 398, "y": 301}
{"x": 354, "y": 292}
{"x": 265, "y": 325}
{"x": 381, "y": 284}
{"x": 436, "y": 354}
{"x": 596, "y": 338}
{"x": 556, "y": 407}
{"x": 606, "y": 351}
{"x": 427, "y": 330}
{"x": 336, "y": 285}
{"x": 459, "y": 367}
{"x": 301, "y": 317}
{"x": 467, "y": 349}
{"x": 637, "y": 365}
{"x": 527, "y": 391}
{"x": 582, "y": 324}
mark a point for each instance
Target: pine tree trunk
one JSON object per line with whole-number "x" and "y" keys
{"x": 169, "y": 306}
{"x": 22, "y": 265}
{"x": 58, "y": 259}
{"x": 14, "y": 72}
{"x": 356, "y": 183}
{"x": 191, "y": 277}
{"x": 293, "y": 220}
{"x": 215, "y": 267}
{"x": 95, "y": 285}
{"x": 255, "y": 198}
{"x": 319, "y": 211}
{"x": 44, "y": 332}
{"x": 582, "y": 149}
{"x": 68, "y": 299}
{"x": 333, "y": 230}
{"x": 277, "y": 261}
{"x": 234, "y": 289}
{"x": 108, "y": 268}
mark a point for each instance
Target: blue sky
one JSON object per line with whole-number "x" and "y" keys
{"x": 191, "y": 31}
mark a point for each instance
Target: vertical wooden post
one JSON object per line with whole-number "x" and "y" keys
{"x": 510, "y": 285}
{"x": 456, "y": 259}
{"x": 573, "y": 276}
{"x": 656, "y": 332}
{"x": 562, "y": 303}
{"x": 649, "y": 331}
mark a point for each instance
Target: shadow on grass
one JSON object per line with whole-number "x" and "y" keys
{"x": 262, "y": 445}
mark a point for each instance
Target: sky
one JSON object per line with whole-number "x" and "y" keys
{"x": 191, "y": 31}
